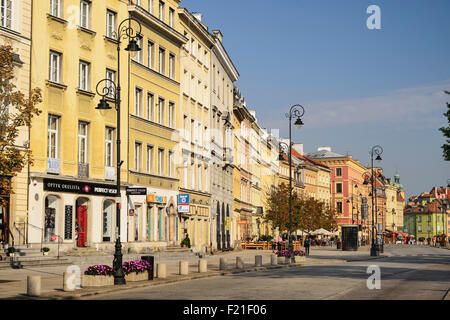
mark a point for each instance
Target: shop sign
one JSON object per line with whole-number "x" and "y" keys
{"x": 79, "y": 187}
{"x": 183, "y": 203}
{"x": 242, "y": 222}
{"x": 155, "y": 198}
{"x": 136, "y": 191}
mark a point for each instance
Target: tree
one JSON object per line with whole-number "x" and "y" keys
{"x": 446, "y": 131}
{"x": 312, "y": 214}
{"x": 16, "y": 111}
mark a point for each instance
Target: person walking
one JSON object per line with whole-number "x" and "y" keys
{"x": 307, "y": 244}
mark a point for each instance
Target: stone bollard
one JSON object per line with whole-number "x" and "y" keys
{"x": 69, "y": 281}
{"x": 202, "y": 265}
{"x": 273, "y": 259}
{"x": 183, "y": 268}
{"x": 223, "y": 264}
{"x": 258, "y": 261}
{"x": 34, "y": 286}
{"x": 239, "y": 263}
{"x": 161, "y": 270}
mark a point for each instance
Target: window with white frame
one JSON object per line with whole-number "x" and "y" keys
{"x": 55, "y": 66}
{"x": 6, "y": 13}
{"x": 138, "y": 54}
{"x": 150, "y": 106}
{"x": 185, "y": 173}
{"x": 161, "y": 10}
{"x": 171, "y": 114}
{"x": 171, "y": 163}
{"x": 199, "y": 173}
{"x": 84, "y": 76}
{"x": 52, "y": 137}
{"x": 84, "y": 14}
{"x": 192, "y": 176}
{"x": 160, "y": 161}
{"x": 150, "y": 159}
{"x": 138, "y": 102}
{"x": 150, "y": 6}
{"x": 111, "y": 77}
{"x": 55, "y": 8}
{"x": 162, "y": 61}
{"x": 150, "y": 54}
{"x": 110, "y": 24}
{"x": 172, "y": 66}
{"x": 82, "y": 142}
{"x": 161, "y": 107}
{"x": 171, "y": 17}
{"x": 109, "y": 147}
{"x": 137, "y": 156}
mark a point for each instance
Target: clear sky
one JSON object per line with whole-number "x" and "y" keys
{"x": 359, "y": 87}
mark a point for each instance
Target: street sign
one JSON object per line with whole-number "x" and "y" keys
{"x": 183, "y": 203}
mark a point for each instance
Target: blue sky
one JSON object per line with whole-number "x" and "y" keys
{"x": 359, "y": 87}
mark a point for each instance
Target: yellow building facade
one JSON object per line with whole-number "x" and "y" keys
{"x": 15, "y": 31}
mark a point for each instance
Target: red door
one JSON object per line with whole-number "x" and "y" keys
{"x": 82, "y": 226}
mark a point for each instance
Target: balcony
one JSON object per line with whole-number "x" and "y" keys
{"x": 53, "y": 166}
{"x": 83, "y": 170}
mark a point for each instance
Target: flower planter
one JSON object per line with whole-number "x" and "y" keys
{"x": 96, "y": 281}
{"x": 299, "y": 259}
{"x": 141, "y": 276}
{"x": 283, "y": 260}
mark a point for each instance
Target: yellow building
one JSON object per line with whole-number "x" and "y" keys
{"x": 154, "y": 119}
{"x": 15, "y": 31}
{"x": 195, "y": 149}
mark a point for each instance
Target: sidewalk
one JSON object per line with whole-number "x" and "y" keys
{"x": 13, "y": 282}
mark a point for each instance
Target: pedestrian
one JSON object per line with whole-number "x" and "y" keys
{"x": 307, "y": 244}
{"x": 272, "y": 241}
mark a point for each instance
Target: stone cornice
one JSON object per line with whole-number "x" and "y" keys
{"x": 195, "y": 25}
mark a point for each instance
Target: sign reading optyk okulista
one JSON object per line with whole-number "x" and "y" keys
{"x": 79, "y": 187}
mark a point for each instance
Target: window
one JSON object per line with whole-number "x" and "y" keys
{"x": 339, "y": 206}
{"x": 109, "y": 147}
{"x": 138, "y": 102}
{"x": 338, "y": 187}
{"x": 150, "y": 159}
{"x": 199, "y": 173}
{"x": 111, "y": 77}
{"x": 150, "y": 6}
{"x": 138, "y": 54}
{"x": 55, "y": 66}
{"x": 162, "y": 61}
{"x": 171, "y": 66}
{"x": 429, "y": 228}
{"x": 150, "y": 106}
{"x": 6, "y": 13}
{"x": 110, "y": 24}
{"x": 82, "y": 142}
{"x": 171, "y": 17}
{"x": 160, "y": 161}
{"x": 185, "y": 173}
{"x": 171, "y": 114}
{"x": 161, "y": 111}
{"x": 52, "y": 137}
{"x": 419, "y": 218}
{"x": 192, "y": 176}
{"x": 161, "y": 11}
{"x": 185, "y": 127}
{"x": 193, "y": 47}
{"x": 151, "y": 53}
{"x": 171, "y": 163}
{"x": 84, "y": 14}
{"x": 84, "y": 76}
{"x": 137, "y": 156}
{"x": 55, "y": 8}
{"x": 420, "y": 228}
{"x": 338, "y": 172}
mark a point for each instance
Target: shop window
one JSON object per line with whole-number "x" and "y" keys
{"x": 108, "y": 213}
{"x": 51, "y": 203}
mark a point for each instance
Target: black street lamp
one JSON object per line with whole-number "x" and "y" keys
{"x": 296, "y": 111}
{"x": 376, "y": 150}
{"x": 111, "y": 90}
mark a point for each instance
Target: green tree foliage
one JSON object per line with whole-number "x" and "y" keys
{"x": 446, "y": 131}
{"x": 16, "y": 111}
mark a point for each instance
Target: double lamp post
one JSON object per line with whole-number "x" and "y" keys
{"x": 108, "y": 89}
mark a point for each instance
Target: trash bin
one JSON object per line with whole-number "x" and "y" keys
{"x": 150, "y": 259}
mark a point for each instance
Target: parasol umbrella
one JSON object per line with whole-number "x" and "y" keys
{"x": 322, "y": 232}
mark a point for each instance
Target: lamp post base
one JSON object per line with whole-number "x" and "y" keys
{"x": 382, "y": 248}
{"x": 374, "y": 251}
{"x": 119, "y": 276}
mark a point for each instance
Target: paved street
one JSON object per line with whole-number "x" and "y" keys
{"x": 411, "y": 272}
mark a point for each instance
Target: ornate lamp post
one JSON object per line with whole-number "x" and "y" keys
{"x": 376, "y": 150}
{"x": 107, "y": 88}
{"x": 296, "y": 111}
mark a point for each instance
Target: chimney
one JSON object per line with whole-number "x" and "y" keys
{"x": 298, "y": 147}
{"x": 198, "y": 16}
{"x": 324, "y": 149}
{"x": 218, "y": 35}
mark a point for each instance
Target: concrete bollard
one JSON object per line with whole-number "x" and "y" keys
{"x": 202, "y": 265}
{"x": 258, "y": 261}
{"x": 183, "y": 268}
{"x": 161, "y": 270}
{"x": 273, "y": 259}
{"x": 34, "y": 286}
{"x": 69, "y": 281}
{"x": 223, "y": 264}
{"x": 239, "y": 263}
